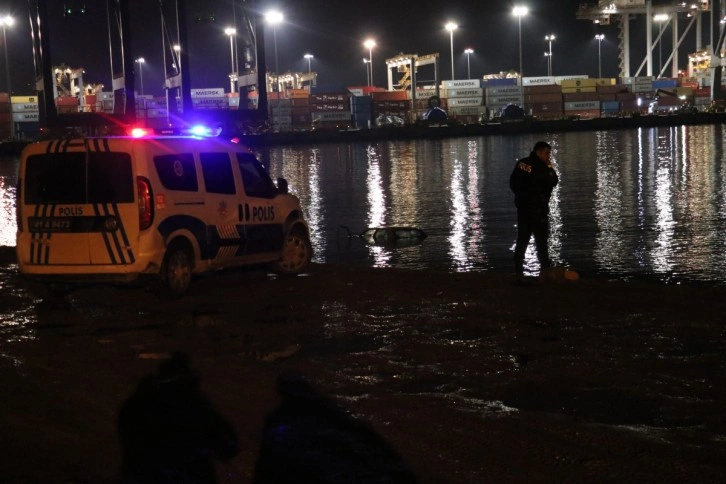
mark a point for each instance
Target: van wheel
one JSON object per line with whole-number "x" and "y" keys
{"x": 176, "y": 271}
{"x": 297, "y": 251}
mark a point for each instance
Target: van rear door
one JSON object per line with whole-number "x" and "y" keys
{"x": 78, "y": 205}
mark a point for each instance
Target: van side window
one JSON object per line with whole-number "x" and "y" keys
{"x": 254, "y": 177}
{"x": 217, "y": 173}
{"x": 68, "y": 178}
{"x": 177, "y": 172}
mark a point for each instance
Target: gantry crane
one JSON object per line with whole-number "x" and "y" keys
{"x": 177, "y": 66}
{"x": 625, "y": 10}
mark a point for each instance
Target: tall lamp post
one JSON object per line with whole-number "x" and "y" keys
{"x": 468, "y": 53}
{"x": 451, "y": 26}
{"x": 366, "y": 62}
{"x": 274, "y": 17}
{"x": 8, "y": 21}
{"x": 369, "y": 44}
{"x": 520, "y": 12}
{"x": 231, "y": 32}
{"x": 549, "y": 38}
{"x": 599, "y": 38}
{"x": 140, "y": 61}
{"x": 660, "y": 18}
{"x": 309, "y": 58}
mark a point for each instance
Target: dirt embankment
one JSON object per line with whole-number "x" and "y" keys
{"x": 364, "y": 375}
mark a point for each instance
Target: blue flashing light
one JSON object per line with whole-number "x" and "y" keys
{"x": 200, "y": 130}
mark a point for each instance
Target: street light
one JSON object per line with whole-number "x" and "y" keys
{"x": 309, "y": 58}
{"x": 274, "y": 17}
{"x": 176, "y": 64}
{"x": 140, "y": 61}
{"x": 231, "y": 32}
{"x": 549, "y": 38}
{"x": 660, "y": 18}
{"x": 8, "y": 21}
{"x": 369, "y": 44}
{"x": 599, "y": 38}
{"x": 368, "y": 73}
{"x": 451, "y": 26}
{"x": 520, "y": 12}
{"x": 468, "y": 53}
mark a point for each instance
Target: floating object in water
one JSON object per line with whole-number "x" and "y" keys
{"x": 389, "y": 235}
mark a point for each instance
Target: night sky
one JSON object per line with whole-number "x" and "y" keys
{"x": 333, "y": 31}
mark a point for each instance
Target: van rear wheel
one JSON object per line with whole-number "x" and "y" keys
{"x": 176, "y": 271}
{"x": 297, "y": 251}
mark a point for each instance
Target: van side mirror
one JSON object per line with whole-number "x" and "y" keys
{"x": 282, "y": 185}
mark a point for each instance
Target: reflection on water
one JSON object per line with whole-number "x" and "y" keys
{"x": 636, "y": 203}
{"x": 645, "y": 202}
{"x": 8, "y": 180}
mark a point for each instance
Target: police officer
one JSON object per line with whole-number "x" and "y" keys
{"x": 532, "y": 182}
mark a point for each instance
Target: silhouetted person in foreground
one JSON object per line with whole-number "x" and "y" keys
{"x": 311, "y": 439}
{"x": 532, "y": 182}
{"x": 169, "y": 430}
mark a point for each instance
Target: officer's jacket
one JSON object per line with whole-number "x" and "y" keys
{"x": 532, "y": 182}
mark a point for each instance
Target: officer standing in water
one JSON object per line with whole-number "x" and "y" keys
{"x": 532, "y": 182}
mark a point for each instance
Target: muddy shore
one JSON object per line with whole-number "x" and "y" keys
{"x": 349, "y": 374}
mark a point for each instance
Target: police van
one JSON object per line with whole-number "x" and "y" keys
{"x": 112, "y": 209}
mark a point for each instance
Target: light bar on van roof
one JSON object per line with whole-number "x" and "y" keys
{"x": 198, "y": 130}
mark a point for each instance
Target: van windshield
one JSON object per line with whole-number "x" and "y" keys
{"x": 78, "y": 177}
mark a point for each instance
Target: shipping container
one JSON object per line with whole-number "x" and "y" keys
{"x": 462, "y": 84}
{"x": 538, "y": 81}
{"x": 542, "y": 98}
{"x": 553, "y": 89}
{"x": 503, "y": 91}
{"x": 509, "y": 81}
{"x": 390, "y": 96}
{"x": 465, "y": 101}
{"x": 582, "y": 106}
{"x": 579, "y": 96}
{"x": 452, "y": 93}
{"x": 577, "y": 90}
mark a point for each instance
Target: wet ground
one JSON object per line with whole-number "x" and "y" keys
{"x": 365, "y": 375}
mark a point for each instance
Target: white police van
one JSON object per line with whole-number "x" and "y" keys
{"x": 115, "y": 208}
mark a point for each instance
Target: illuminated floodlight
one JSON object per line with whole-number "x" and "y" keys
{"x": 139, "y": 132}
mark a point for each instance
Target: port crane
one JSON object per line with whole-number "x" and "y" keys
{"x": 623, "y": 11}
{"x": 177, "y": 66}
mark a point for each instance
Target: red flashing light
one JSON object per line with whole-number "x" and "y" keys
{"x": 139, "y": 132}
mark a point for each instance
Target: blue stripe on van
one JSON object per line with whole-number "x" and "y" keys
{"x": 106, "y": 236}
{"x": 192, "y": 224}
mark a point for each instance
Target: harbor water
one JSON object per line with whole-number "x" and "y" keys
{"x": 647, "y": 203}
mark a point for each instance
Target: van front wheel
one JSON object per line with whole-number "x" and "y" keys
{"x": 297, "y": 251}
{"x": 176, "y": 271}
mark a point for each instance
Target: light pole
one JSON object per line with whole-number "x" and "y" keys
{"x": 451, "y": 26}
{"x": 369, "y": 44}
{"x": 176, "y": 64}
{"x": 8, "y": 21}
{"x": 366, "y": 62}
{"x": 468, "y": 53}
{"x": 231, "y": 32}
{"x": 273, "y": 18}
{"x": 599, "y": 38}
{"x": 520, "y": 12}
{"x": 549, "y": 38}
{"x": 660, "y": 18}
{"x": 309, "y": 58}
{"x": 140, "y": 61}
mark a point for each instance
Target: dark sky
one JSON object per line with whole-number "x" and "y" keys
{"x": 333, "y": 31}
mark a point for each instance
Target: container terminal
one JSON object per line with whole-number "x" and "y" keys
{"x": 290, "y": 107}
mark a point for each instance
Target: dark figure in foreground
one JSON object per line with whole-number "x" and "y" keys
{"x": 312, "y": 439}
{"x": 169, "y": 430}
{"x": 532, "y": 182}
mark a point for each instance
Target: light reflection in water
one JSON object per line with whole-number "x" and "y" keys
{"x": 646, "y": 202}
{"x": 8, "y": 180}
{"x": 376, "y": 205}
